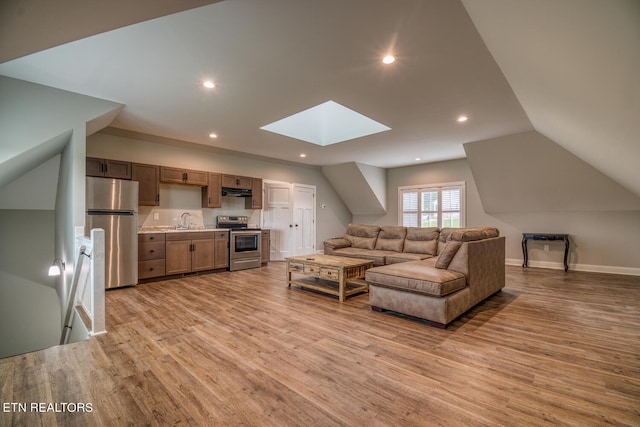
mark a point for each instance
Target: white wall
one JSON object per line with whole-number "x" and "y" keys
{"x": 38, "y": 123}
{"x": 331, "y": 221}
{"x": 29, "y": 310}
{"x": 601, "y": 241}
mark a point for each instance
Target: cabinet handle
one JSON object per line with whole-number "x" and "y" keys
{"x": 157, "y": 198}
{"x": 151, "y": 251}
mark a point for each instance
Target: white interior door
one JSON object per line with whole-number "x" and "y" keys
{"x": 277, "y": 216}
{"x": 304, "y": 219}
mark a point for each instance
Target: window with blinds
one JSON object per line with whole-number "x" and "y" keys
{"x": 440, "y": 205}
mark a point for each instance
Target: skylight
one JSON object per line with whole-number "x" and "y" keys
{"x": 326, "y": 124}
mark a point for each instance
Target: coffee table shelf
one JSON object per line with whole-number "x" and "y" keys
{"x": 330, "y": 274}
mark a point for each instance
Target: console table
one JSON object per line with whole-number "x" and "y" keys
{"x": 544, "y": 236}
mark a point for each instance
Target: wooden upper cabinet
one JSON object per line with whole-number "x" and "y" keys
{"x": 233, "y": 181}
{"x": 183, "y": 176}
{"x": 197, "y": 178}
{"x": 255, "y": 201}
{"x": 212, "y": 193}
{"x": 148, "y": 177}
{"x": 95, "y": 167}
{"x": 108, "y": 168}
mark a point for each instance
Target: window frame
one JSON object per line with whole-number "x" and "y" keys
{"x": 439, "y": 187}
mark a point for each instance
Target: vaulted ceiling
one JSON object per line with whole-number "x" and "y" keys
{"x": 565, "y": 69}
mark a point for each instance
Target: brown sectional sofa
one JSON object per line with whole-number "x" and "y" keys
{"x": 430, "y": 273}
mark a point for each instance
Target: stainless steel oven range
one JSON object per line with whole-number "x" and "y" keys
{"x": 244, "y": 242}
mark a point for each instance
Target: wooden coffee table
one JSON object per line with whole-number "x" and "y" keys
{"x": 331, "y": 274}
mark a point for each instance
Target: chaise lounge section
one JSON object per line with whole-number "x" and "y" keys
{"x": 437, "y": 276}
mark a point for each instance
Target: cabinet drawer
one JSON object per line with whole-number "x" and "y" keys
{"x": 296, "y": 267}
{"x": 190, "y": 235}
{"x": 150, "y": 237}
{"x": 329, "y": 273}
{"x": 221, "y": 235}
{"x": 151, "y": 268}
{"x": 152, "y": 250}
{"x": 311, "y": 269}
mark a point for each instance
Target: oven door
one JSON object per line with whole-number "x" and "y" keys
{"x": 244, "y": 249}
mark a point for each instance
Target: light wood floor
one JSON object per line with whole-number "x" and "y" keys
{"x": 552, "y": 348}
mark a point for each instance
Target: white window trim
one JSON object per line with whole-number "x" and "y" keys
{"x": 463, "y": 197}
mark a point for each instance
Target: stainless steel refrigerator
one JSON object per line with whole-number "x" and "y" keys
{"x": 112, "y": 205}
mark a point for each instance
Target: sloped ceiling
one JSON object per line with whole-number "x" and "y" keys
{"x": 28, "y": 26}
{"x": 271, "y": 59}
{"x": 571, "y": 70}
{"x": 574, "y": 66}
{"x": 542, "y": 177}
{"x": 361, "y": 187}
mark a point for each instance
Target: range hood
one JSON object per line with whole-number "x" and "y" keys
{"x": 236, "y": 192}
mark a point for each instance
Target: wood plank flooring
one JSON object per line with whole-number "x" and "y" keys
{"x": 240, "y": 348}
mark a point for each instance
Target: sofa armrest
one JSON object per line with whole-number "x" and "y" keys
{"x": 331, "y": 245}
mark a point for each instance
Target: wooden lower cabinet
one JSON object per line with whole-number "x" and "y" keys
{"x": 265, "y": 248}
{"x": 151, "y": 255}
{"x": 202, "y": 255}
{"x": 188, "y": 252}
{"x": 166, "y": 254}
{"x": 221, "y": 259}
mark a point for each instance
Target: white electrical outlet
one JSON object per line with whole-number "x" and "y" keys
{"x": 156, "y": 216}
{"x": 546, "y": 248}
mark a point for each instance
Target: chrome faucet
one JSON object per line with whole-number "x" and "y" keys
{"x": 181, "y": 223}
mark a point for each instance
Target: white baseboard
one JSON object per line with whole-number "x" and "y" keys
{"x": 577, "y": 267}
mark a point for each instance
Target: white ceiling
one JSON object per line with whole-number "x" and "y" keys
{"x": 271, "y": 59}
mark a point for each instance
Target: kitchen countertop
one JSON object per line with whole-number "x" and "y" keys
{"x": 171, "y": 229}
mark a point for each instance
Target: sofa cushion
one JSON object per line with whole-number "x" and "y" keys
{"x": 405, "y": 256}
{"x": 337, "y": 243}
{"x": 362, "y": 236}
{"x": 391, "y": 238}
{"x": 417, "y": 277}
{"x": 378, "y": 257}
{"x": 467, "y": 234}
{"x": 421, "y": 240}
{"x": 473, "y": 233}
{"x": 449, "y": 251}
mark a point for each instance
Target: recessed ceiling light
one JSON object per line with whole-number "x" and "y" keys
{"x": 213, "y": 135}
{"x": 418, "y": 159}
{"x": 209, "y": 84}
{"x": 388, "y": 59}
{"x": 462, "y": 119}
{"x": 303, "y": 155}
